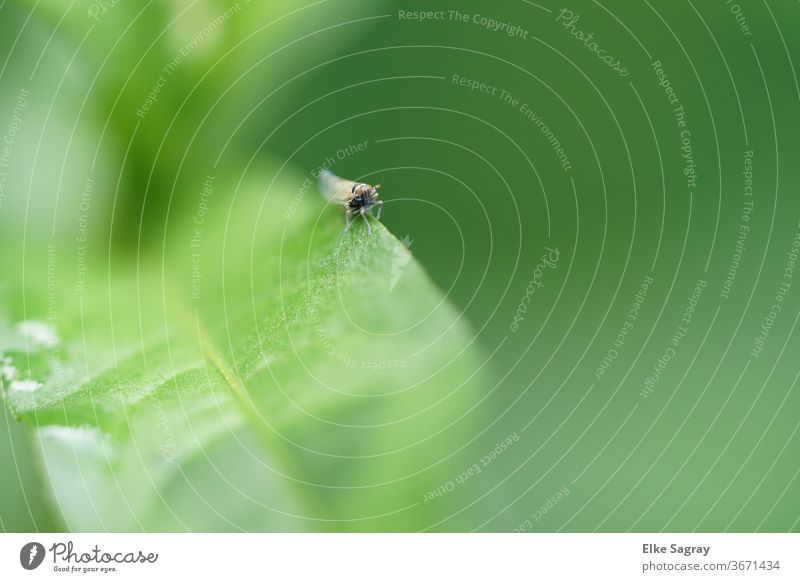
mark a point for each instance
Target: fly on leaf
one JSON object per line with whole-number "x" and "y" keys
{"x": 356, "y": 197}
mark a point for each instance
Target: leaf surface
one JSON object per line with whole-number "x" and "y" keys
{"x": 265, "y": 371}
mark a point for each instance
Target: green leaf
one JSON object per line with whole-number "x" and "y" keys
{"x": 169, "y": 82}
{"x": 22, "y": 504}
{"x": 265, "y": 372}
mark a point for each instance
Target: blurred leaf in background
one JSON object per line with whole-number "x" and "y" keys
{"x": 163, "y": 87}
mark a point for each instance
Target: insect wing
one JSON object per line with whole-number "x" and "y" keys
{"x": 335, "y": 188}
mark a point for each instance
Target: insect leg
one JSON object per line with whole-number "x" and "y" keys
{"x": 379, "y": 204}
{"x": 363, "y": 213}
{"x": 347, "y": 217}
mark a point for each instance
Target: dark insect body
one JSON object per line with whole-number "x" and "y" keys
{"x": 357, "y": 198}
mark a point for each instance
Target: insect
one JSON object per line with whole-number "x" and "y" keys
{"x": 356, "y": 197}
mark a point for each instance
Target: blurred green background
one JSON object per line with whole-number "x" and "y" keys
{"x": 704, "y": 441}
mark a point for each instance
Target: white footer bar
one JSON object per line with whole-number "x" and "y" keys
{"x": 389, "y": 557}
